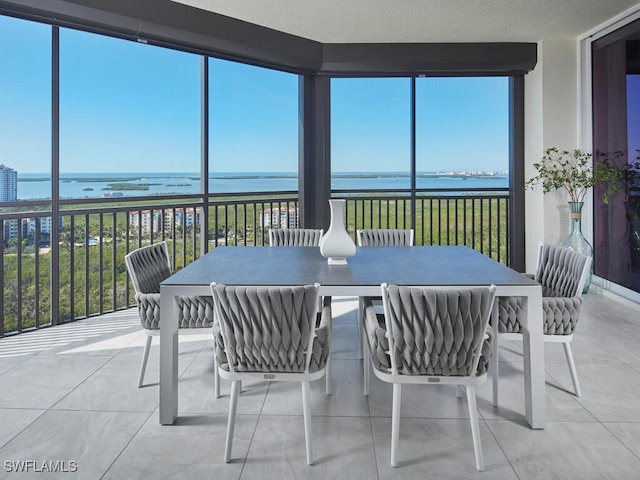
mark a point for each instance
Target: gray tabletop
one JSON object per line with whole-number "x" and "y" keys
{"x": 440, "y": 265}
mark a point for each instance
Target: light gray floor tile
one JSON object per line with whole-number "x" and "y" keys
{"x": 344, "y": 341}
{"x": 610, "y": 391}
{"x": 342, "y": 448}
{"x": 635, "y": 366}
{"x": 71, "y": 367}
{"x": 418, "y": 401}
{"x": 584, "y": 450}
{"x": 196, "y": 394}
{"x": 603, "y": 313}
{"x": 114, "y": 387}
{"x": 346, "y": 399}
{"x": 628, "y": 434}
{"x": 43, "y": 380}
{"x": 434, "y": 448}
{"x": 14, "y": 420}
{"x": 344, "y": 311}
{"x": 583, "y": 350}
{"x": 9, "y": 361}
{"x": 561, "y": 404}
{"x": 192, "y": 448}
{"x": 92, "y": 440}
{"x": 96, "y": 337}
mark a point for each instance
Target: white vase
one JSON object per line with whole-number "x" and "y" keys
{"x": 337, "y": 244}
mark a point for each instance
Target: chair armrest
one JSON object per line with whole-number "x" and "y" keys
{"x": 509, "y": 311}
{"x": 194, "y": 311}
{"x": 375, "y": 331}
{"x": 560, "y": 314}
{"x": 149, "y": 310}
{"x": 218, "y": 348}
{"x": 486, "y": 351}
{"x": 322, "y": 341}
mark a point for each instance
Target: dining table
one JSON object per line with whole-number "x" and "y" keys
{"x": 434, "y": 266}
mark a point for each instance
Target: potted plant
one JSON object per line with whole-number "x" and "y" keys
{"x": 573, "y": 171}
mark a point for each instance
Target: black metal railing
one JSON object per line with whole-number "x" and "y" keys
{"x": 93, "y": 236}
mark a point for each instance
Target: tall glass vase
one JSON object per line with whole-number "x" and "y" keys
{"x": 576, "y": 241}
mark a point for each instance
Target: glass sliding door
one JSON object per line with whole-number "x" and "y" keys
{"x": 616, "y": 135}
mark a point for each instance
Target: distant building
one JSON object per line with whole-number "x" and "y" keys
{"x": 283, "y": 217}
{"x": 45, "y": 225}
{"x": 8, "y": 184}
{"x": 154, "y": 220}
{"x": 10, "y": 229}
{"x": 28, "y": 227}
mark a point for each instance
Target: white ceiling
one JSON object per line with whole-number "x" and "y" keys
{"x": 353, "y": 21}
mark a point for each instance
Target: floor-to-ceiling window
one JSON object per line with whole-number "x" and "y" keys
{"x": 129, "y": 118}
{"x": 253, "y": 128}
{"x": 436, "y": 142}
{"x": 616, "y": 133}
{"x": 462, "y": 146}
{"x": 253, "y": 147}
{"x": 462, "y": 132}
{"x": 25, "y": 107}
{"x": 25, "y": 169}
{"x": 370, "y": 133}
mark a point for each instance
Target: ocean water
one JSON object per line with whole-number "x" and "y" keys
{"x": 96, "y": 185}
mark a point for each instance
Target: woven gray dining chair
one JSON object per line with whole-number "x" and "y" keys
{"x": 295, "y": 237}
{"x": 562, "y": 273}
{"x": 274, "y": 334}
{"x": 385, "y": 237}
{"x": 432, "y": 337}
{"x": 147, "y": 267}
{"x": 380, "y": 237}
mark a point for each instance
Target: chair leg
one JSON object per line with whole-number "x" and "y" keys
{"x": 145, "y": 357}
{"x": 231, "y": 422}
{"x": 327, "y": 376}
{"x": 366, "y": 368}
{"x": 572, "y": 368}
{"x": 459, "y": 391}
{"x": 306, "y": 410}
{"x": 475, "y": 427}
{"x": 395, "y": 423}
{"x": 359, "y": 323}
{"x": 216, "y": 381}
{"x": 216, "y": 375}
{"x": 495, "y": 357}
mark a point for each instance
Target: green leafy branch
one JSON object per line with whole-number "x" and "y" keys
{"x": 573, "y": 171}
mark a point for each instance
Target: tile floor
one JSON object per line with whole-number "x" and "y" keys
{"x": 69, "y": 401}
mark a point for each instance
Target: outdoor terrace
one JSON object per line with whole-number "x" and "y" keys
{"x": 69, "y": 394}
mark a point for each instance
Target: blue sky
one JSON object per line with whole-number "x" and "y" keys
{"x": 130, "y": 107}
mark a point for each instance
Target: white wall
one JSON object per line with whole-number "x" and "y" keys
{"x": 550, "y": 121}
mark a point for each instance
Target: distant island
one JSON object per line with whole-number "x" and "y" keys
{"x": 130, "y": 186}
{"x": 93, "y": 185}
